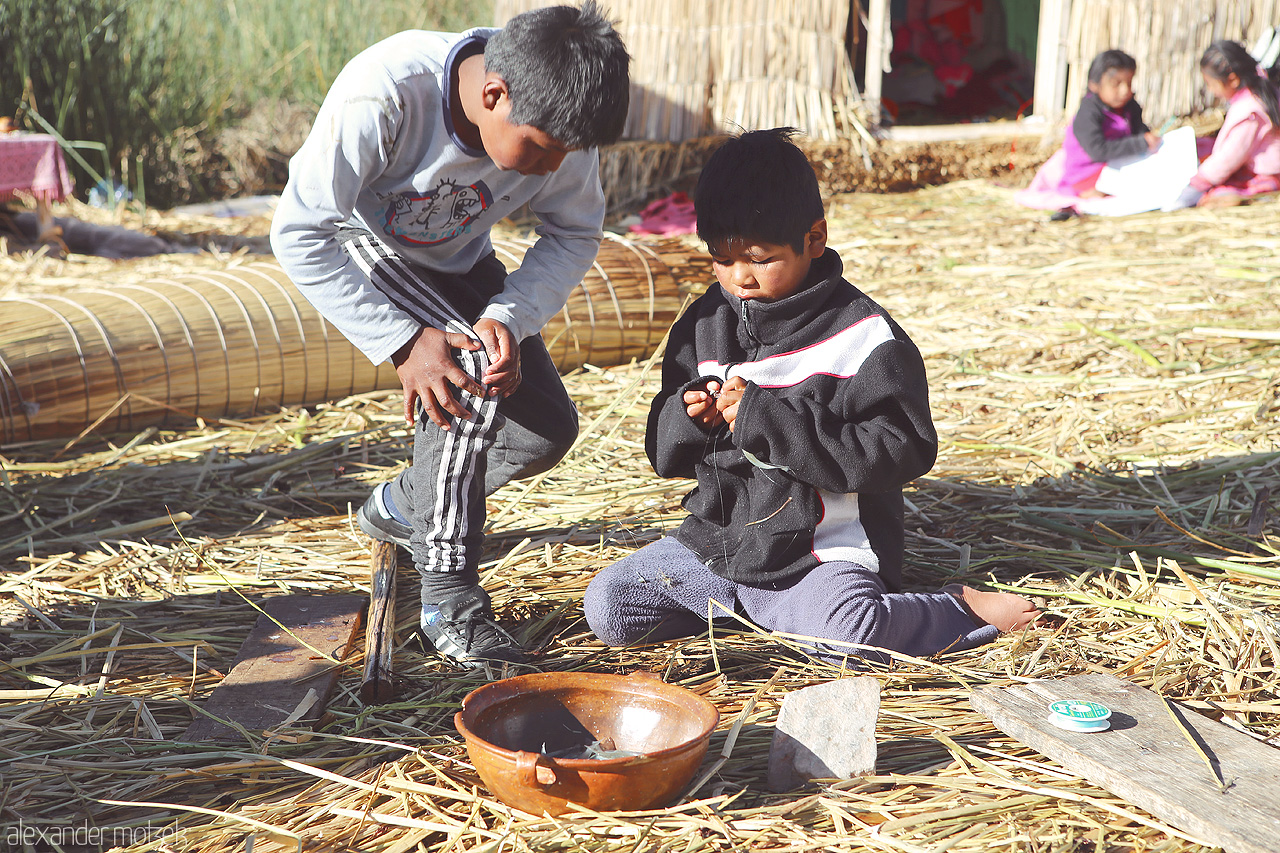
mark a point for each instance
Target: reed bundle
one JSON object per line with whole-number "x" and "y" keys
{"x": 620, "y": 312}
{"x": 1106, "y": 397}
{"x": 635, "y": 171}
{"x": 242, "y": 341}
{"x": 216, "y": 344}
{"x": 705, "y": 68}
{"x": 1166, "y": 39}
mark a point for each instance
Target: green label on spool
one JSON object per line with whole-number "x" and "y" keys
{"x": 1076, "y": 709}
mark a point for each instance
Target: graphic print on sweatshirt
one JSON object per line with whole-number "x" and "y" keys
{"x": 436, "y": 216}
{"x": 839, "y": 533}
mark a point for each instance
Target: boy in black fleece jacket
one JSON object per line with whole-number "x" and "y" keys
{"x": 802, "y": 409}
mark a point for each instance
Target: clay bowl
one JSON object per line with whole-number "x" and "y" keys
{"x": 515, "y": 728}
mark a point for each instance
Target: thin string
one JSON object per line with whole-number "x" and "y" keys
{"x": 155, "y": 330}
{"x": 9, "y": 390}
{"x": 75, "y": 338}
{"x": 287, "y": 300}
{"x": 186, "y": 333}
{"x": 222, "y": 341}
{"x": 253, "y": 338}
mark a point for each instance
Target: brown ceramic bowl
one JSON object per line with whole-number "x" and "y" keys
{"x": 515, "y": 727}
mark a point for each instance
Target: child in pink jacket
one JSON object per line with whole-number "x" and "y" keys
{"x": 1245, "y": 159}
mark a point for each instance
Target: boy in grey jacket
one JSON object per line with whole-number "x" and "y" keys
{"x": 424, "y": 142}
{"x": 802, "y": 409}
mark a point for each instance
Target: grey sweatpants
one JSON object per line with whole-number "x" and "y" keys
{"x": 506, "y": 438}
{"x": 663, "y": 591}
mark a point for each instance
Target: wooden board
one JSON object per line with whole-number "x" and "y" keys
{"x": 273, "y": 671}
{"x": 1146, "y": 758}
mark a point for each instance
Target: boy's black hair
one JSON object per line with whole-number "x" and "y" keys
{"x": 758, "y": 186}
{"x": 567, "y": 72}
{"x": 1110, "y": 60}
{"x": 1224, "y": 58}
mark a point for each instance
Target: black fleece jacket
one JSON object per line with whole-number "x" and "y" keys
{"x": 834, "y": 421}
{"x": 1088, "y": 126}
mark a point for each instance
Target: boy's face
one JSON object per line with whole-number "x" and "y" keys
{"x": 766, "y": 271}
{"x": 519, "y": 147}
{"x": 1115, "y": 89}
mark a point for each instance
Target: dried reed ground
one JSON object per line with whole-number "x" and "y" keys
{"x": 1105, "y": 391}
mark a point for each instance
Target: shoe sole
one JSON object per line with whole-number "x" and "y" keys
{"x": 370, "y": 527}
{"x": 448, "y": 648}
{"x": 453, "y": 652}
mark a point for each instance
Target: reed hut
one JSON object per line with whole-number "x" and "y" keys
{"x": 701, "y": 68}
{"x": 1166, "y": 37}
{"x": 829, "y": 67}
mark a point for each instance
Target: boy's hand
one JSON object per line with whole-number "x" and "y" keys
{"x": 729, "y": 398}
{"x": 700, "y": 405}
{"x": 503, "y": 375}
{"x": 429, "y": 374}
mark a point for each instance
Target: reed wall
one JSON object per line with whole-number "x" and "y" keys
{"x": 1166, "y": 37}
{"x": 702, "y": 68}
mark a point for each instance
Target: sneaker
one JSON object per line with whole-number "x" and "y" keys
{"x": 1062, "y": 215}
{"x": 462, "y": 627}
{"x": 380, "y": 518}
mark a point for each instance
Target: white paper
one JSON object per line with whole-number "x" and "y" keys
{"x": 1147, "y": 181}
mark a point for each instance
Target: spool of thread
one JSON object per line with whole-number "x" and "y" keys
{"x": 1079, "y": 715}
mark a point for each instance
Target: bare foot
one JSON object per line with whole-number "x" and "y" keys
{"x": 1216, "y": 202}
{"x": 1006, "y": 611}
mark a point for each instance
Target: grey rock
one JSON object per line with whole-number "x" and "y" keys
{"x": 825, "y": 731}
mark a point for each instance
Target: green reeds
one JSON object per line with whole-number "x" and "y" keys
{"x": 153, "y": 82}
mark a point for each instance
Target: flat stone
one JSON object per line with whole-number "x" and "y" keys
{"x": 826, "y": 731}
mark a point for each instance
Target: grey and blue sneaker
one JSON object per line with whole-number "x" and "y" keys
{"x": 462, "y": 627}
{"x": 380, "y": 518}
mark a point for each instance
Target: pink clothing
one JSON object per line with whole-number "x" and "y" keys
{"x": 1080, "y": 171}
{"x": 1255, "y": 185}
{"x": 1247, "y": 147}
{"x": 1049, "y": 190}
{"x": 1072, "y": 170}
{"x": 667, "y": 216}
{"x": 32, "y": 163}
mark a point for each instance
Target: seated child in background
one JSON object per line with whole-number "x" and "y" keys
{"x": 802, "y": 409}
{"x": 1245, "y": 159}
{"x": 1107, "y": 126}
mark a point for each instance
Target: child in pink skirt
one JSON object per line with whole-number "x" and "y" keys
{"x": 1107, "y": 126}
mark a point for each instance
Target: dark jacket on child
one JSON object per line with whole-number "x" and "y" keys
{"x": 1093, "y": 120}
{"x": 834, "y": 421}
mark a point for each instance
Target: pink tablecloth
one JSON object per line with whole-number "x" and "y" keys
{"x": 32, "y": 164}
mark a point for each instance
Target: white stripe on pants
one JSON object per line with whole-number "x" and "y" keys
{"x": 447, "y": 521}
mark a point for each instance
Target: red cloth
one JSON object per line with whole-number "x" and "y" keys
{"x": 32, "y": 164}
{"x": 1246, "y": 186}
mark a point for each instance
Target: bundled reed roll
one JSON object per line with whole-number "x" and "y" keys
{"x": 243, "y": 341}
{"x": 621, "y": 311}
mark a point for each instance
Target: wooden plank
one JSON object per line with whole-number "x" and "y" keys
{"x": 1049, "y": 94}
{"x": 1147, "y": 759}
{"x": 989, "y": 130}
{"x": 879, "y": 43}
{"x": 274, "y": 671}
